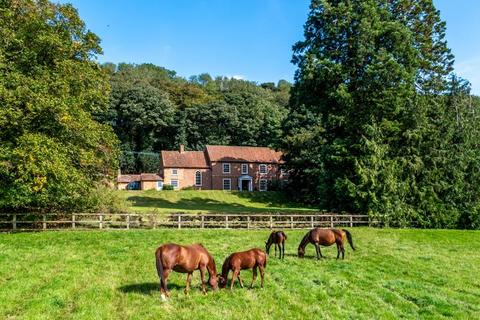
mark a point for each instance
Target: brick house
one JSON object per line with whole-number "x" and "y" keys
{"x": 222, "y": 168}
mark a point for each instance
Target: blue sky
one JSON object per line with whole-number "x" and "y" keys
{"x": 250, "y": 39}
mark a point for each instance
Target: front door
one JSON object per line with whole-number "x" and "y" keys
{"x": 245, "y": 185}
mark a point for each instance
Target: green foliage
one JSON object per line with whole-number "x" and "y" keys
{"x": 53, "y": 155}
{"x": 167, "y": 187}
{"x": 375, "y": 124}
{"x": 394, "y": 274}
{"x": 152, "y": 109}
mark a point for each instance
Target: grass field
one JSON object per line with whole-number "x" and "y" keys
{"x": 111, "y": 275}
{"x": 192, "y": 201}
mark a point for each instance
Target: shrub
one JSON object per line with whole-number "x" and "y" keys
{"x": 167, "y": 187}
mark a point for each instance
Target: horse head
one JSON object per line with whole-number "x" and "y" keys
{"x": 301, "y": 252}
{"x": 222, "y": 282}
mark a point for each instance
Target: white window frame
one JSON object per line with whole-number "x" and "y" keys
{"x": 229, "y": 168}
{"x": 263, "y": 166}
{"x": 244, "y": 165}
{"x": 178, "y": 184}
{"x": 174, "y": 172}
{"x": 223, "y": 184}
{"x": 260, "y": 184}
{"x": 200, "y": 175}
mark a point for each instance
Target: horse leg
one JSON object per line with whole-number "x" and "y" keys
{"x": 202, "y": 276}
{"x": 240, "y": 280}
{"x": 317, "y": 249}
{"x": 262, "y": 274}
{"x": 275, "y": 249}
{"x": 283, "y": 249}
{"x": 343, "y": 251}
{"x": 338, "y": 250}
{"x": 235, "y": 274}
{"x": 254, "y": 273}
{"x": 163, "y": 285}
{"x": 189, "y": 280}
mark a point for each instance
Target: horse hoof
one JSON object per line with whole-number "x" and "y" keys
{"x": 162, "y": 296}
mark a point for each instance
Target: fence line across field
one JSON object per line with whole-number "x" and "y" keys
{"x": 55, "y": 221}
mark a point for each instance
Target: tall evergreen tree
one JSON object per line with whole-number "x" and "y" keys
{"x": 368, "y": 119}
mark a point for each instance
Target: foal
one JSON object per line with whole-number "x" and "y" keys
{"x": 250, "y": 259}
{"x": 184, "y": 259}
{"x": 325, "y": 237}
{"x": 278, "y": 239}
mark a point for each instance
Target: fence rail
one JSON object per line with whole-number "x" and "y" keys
{"x": 81, "y": 221}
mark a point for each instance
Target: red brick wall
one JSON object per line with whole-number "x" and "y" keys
{"x": 273, "y": 173}
{"x": 186, "y": 178}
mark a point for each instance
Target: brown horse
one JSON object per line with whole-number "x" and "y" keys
{"x": 250, "y": 259}
{"x": 325, "y": 237}
{"x": 278, "y": 239}
{"x": 184, "y": 259}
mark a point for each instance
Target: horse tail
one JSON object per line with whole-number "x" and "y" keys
{"x": 158, "y": 261}
{"x": 349, "y": 238}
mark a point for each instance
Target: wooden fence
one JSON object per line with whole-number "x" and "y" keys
{"x": 30, "y": 222}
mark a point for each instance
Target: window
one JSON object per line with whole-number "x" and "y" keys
{"x": 263, "y": 185}
{"x": 263, "y": 168}
{"x": 198, "y": 178}
{"x": 174, "y": 184}
{"x": 244, "y": 168}
{"x": 174, "y": 172}
{"x": 226, "y": 168}
{"x": 227, "y": 184}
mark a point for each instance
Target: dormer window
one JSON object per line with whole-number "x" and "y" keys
{"x": 226, "y": 168}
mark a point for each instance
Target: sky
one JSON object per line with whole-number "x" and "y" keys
{"x": 248, "y": 39}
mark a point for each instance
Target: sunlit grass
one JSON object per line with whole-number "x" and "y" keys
{"x": 111, "y": 275}
{"x": 192, "y": 201}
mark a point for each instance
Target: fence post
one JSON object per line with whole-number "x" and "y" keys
{"x": 271, "y": 222}
{"x": 128, "y": 221}
{"x": 73, "y": 220}
{"x": 203, "y": 221}
{"x": 226, "y": 222}
{"x": 179, "y": 222}
{"x": 14, "y": 222}
{"x": 331, "y": 221}
{"x": 351, "y": 221}
{"x": 248, "y": 222}
{"x": 311, "y": 221}
{"x": 100, "y": 221}
{"x": 291, "y": 222}
{"x": 44, "y": 223}
{"x": 154, "y": 219}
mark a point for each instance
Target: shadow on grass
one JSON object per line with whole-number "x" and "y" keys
{"x": 268, "y": 199}
{"x": 147, "y": 288}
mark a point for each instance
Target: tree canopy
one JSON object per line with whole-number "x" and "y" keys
{"x": 53, "y": 155}
{"x": 377, "y": 122}
{"x": 152, "y": 109}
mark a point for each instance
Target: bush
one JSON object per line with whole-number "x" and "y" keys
{"x": 167, "y": 187}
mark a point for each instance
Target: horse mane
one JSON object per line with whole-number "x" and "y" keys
{"x": 305, "y": 240}
{"x": 226, "y": 267}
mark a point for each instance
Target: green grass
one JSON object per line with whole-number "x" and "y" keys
{"x": 192, "y": 201}
{"x": 111, "y": 275}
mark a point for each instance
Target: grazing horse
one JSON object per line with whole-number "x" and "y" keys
{"x": 325, "y": 237}
{"x": 250, "y": 259}
{"x": 278, "y": 239}
{"x": 184, "y": 259}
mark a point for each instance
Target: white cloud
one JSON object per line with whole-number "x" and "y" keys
{"x": 238, "y": 77}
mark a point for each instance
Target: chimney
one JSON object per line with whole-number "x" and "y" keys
{"x": 182, "y": 148}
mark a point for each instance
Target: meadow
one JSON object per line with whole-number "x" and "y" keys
{"x": 111, "y": 275}
{"x": 205, "y": 201}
